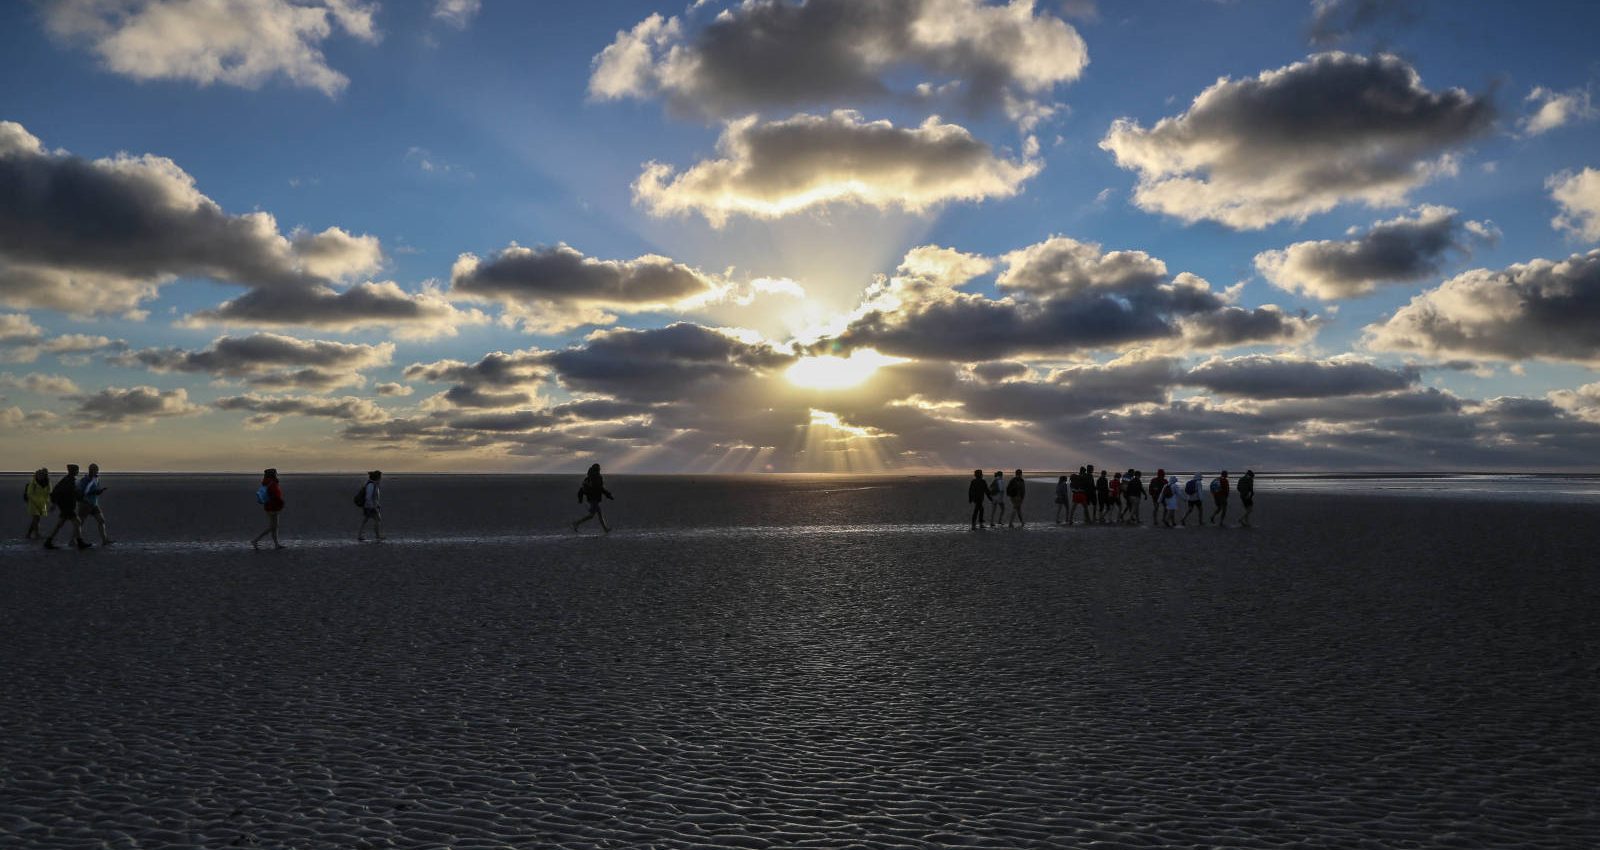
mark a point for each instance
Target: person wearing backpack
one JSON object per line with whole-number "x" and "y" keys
{"x": 270, "y": 496}
{"x": 978, "y": 495}
{"x": 1192, "y": 491}
{"x": 1082, "y": 487}
{"x": 1247, "y": 496}
{"x": 1102, "y": 500}
{"x": 997, "y": 498}
{"x": 1063, "y": 498}
{"x": 1158, "y": 494}
{"x": 1171, "y": 494}
{"x": 65, "y": 498}
{"x": 592, "y": 490}
{"x": 367, "y": 499}
{"x": 1015, "y": 491}
{"x": 36, "y": 494}
{"x": 1219, "y": 499}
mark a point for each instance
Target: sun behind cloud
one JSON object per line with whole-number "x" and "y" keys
{"x": 827, "y": 372}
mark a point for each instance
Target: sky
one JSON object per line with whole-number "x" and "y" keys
{"x": 799, "y": 235}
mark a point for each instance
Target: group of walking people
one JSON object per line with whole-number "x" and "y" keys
{"x": 76, "y": 501}
{"x": 1117, "y": 498}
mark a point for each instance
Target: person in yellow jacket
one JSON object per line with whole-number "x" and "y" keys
{"x": 37, "y": 495}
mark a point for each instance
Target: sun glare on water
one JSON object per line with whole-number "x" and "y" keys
{"x": 827, "y": 372}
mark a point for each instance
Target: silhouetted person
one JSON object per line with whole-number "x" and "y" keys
{"x": 1247, "y": 496}
{"x": 997, "y": 496}
{"x": 1132, "y": 496}
{"x": 1219, "y": 499}
{"x": 65, "y": 497}
{"x": 89, "y": 490}
{"x": 1193, "y": 489}
{"x": 592, "y": 490}
{"x": 1082, "y": 493}
{"x": 1063, "y": 498}
{"x": 1016, "y": 491}
{"x": 36, "y": 494}
{"x": 1171, "y": 495}
{"x": 371, "y": 511}
{"x": 978, "y": 495}
{"x": 270, "y": 495}
{"x": 1158, "y": 487}
{"x": 1102, "y": 491}
{"x": 1093, "y": 512}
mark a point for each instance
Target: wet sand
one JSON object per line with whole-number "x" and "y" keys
{"x": 802, "y": 664}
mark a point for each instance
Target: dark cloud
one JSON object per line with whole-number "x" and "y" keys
{"x": 1396, "y": 251}
{"x": 132, "y": 406}
{"x": 1298, "y": 141}
{"x": 1060, "y": 296}
{"x": 1539, "y": 310}
{"x": 268, "y": 409}
{"x": 779, "y": 54}
{"x": 1264, "y": 377}
{"x": 680, "y": 360}
{"x": 778, "y": 168}
{"x": 269, "y": 360}
{"x": 101, "y": 236}
{"x": 553, "y": 289}
{"x": 421, "y": 315}
{"x": 1333, "y": 21}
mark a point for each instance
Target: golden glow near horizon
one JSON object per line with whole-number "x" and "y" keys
{"x": 827, "y": 372}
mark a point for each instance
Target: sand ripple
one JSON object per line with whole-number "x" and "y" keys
{"x": 1107, "y": 690}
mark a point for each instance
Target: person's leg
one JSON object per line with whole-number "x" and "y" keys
{"x": 600, "y": 514}
{"x": 274, "y": 527}
{"x": 377, "y": 523}
{"x": 33, "y": 528}
{"x": 361, "y": 533}
{"x": 50, "y": 539}
{"x": 77, "y": 533}
{"x": 1222, "y": 513}
{"x": 100, "y": 523}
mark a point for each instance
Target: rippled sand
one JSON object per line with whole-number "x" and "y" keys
{"x": 1354, "y": 673}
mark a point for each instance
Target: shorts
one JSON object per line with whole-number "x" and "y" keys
{"x": 1016, "y": 503}
{"x": 594, "y": 508}
{"x": 86, "y": 510}
{"x": 1247, "y": 501}
{"x": 1080, "y": 498}
{"x": 371, "y": 513}
{"x": 1220, "y": 498}
{"x": 64, "y": 509}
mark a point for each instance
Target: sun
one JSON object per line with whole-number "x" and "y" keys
{"x": 828, "y": 372}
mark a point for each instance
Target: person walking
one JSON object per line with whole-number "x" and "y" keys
{"x": 1092, "y": 505}
{"x": 1102, "y": 500}
{"x": 1193, "y": 489}
{"x": 1016, "y": 491}
{"x": 270, "y": 497}
{"x": 1082, "y": 487}
{"x": 978, "y": 495}
{"x": 65, "y": 498}
{"x": 1063, "y": 498}
{"x": 1158, "y": 495}
{"x": 592, "y": 490}
{"x": 371, "y": 510}
{"x": 1132, "y": 496}
{"x": 1219, "y": 500}
{"x": 1247, "y": 496}
{"x": 997, "y": 498}
{"x": 36, "y": 495}
{"x": 89, "y": 490}
{"x": 1171, "y": 495}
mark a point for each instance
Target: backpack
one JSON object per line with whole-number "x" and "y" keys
{"x": 262, "y": 495}
{"x": 361, "y": 497}
{"x": 1216, "y": 485}
{"x": 1189, "y": 488}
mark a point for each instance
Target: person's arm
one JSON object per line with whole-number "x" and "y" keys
{"x": 608, "y": 494}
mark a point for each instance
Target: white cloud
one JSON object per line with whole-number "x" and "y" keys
{"x": 457, "y": 13}
{"x": 235, "y": 42}
{"x": 1395, "y": 251}
{"x": 773, "y": 169}
{"x": 1298, "y": 141}
{"x": 1556, "y": 109}
{"x": 1578, "y": 194}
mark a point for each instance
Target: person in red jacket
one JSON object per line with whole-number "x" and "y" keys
{"x": 270, "y": 495}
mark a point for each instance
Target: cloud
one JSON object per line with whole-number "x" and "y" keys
{"x": 773, "y": 169}
{"x": 497, "y": 380}
{"x": 393, "y": 389}
{"x": 1060, "y": 296}
{"x": 1583, "y": 401}
{"x": 1260, "y": 376}
{"x": 1556, "y": 109}
{"x": 1395, "y": 251}
{"x": 101, "y": 236}
{"x": 267, "y": 409}
{"x": 19, "y": 338}
{"x": 421, "y": 315}
{"x": 1298, "y": 141}
{"x": 1538, "y": 310}
{"x": 37, "y": 382}
{"x": 269, "y": 360}
{"x": 131, "y": 406}
{"x": 769, "y": 54}
{"x": 457, "y": 13}
{"x": 681, "y": 360}
{"x": 1333, "y": 21}
{"x": 242, "y": 43}
{"x": 1578, "y": 194}
{"x": 554, "y": 289}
